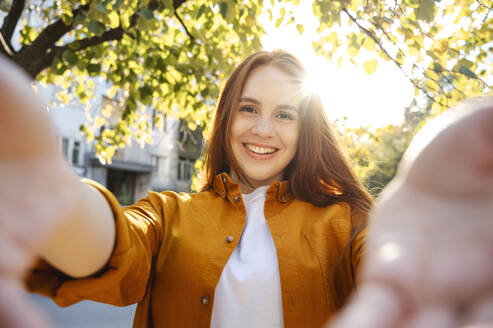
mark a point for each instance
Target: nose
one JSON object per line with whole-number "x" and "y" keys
{"x": 263, "y": 128}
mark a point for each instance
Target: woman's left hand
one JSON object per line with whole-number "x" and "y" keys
{"x": 429, "y": 260}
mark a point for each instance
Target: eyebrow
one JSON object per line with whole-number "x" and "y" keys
{"x": 256, "y": 102}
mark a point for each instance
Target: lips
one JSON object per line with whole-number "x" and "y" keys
{"x": 260, "y": 150}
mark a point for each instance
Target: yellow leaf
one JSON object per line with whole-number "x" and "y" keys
{"x": 352, "y": 51}
{"x": 369, "y": 44}
{"x": 300, "y": 28}
{"x": 112, "y": 91}
{"x": 370, "y": 66}
{"x": 100, "y": 121}
{"x": 114, "y": 19}
{"x": 339, "y": 62}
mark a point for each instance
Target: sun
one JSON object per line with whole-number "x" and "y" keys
{"x": 348, "y": 93}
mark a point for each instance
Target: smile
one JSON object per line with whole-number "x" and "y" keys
{"x": 260, "y": 150}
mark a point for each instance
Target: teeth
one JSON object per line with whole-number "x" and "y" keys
{"x": 260, "y": 150}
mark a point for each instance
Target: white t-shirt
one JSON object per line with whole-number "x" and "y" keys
{"x": 248, "y": 293}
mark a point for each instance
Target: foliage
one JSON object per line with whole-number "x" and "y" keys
{"x": 166, "y": 55}
{"x": 172, "y": 55}
{"x": 444, "y": 47}
{"x": 376, "y": 152}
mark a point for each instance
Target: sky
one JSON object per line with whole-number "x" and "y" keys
{"x": 347, "y": 92}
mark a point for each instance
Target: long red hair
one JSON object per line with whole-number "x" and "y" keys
{"x": 319, "y": 173}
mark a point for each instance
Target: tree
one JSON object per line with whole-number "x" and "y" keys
{"x": 376, "y": 151}
{"x": 443, "y": 47}
{"x": 171, "y": 55}
{"x": 165, "y": 55}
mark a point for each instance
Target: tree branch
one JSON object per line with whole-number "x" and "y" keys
{"x": 40, "y": 54}
{"x": 399, "y": 65}
{"x": 49, "y": 36}
{"x": 184, "y": 26}
{"x": 46, "y": 60}
{"x": 10, "y": 21}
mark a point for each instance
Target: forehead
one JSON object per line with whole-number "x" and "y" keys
{"x": 269, "y": 84}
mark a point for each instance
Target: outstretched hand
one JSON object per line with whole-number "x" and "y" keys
{"x": 429, "y": 260}
{"x": 33, "y": 198}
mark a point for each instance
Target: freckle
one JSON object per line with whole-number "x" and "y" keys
{"x": 389, "y": 252}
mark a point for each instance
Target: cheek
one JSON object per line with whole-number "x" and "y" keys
{"x": 292, "y": 140}
{"x": 237, "y": 128}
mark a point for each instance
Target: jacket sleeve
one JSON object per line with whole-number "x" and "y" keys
{"x": 124, "y": 279}
{"x": 358, "y": 246}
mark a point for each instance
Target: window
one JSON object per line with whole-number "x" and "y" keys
{"x": 185, "y": 169}
{"x": 71, "y": 150}
{"x": 65, "y": 144}
{"x": 75, "y": 153}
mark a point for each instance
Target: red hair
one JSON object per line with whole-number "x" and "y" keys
{"x": 319, "y": 172}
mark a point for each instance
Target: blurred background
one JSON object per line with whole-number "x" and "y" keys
{"x": 131, "y": 86}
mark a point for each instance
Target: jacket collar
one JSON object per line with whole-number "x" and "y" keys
{"x": 226, "y": 188}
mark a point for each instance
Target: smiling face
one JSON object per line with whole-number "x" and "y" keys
{"x": 265, "y": 126}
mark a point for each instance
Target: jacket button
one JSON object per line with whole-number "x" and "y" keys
{"x": 205, "y": 300}
{"x": 236, "y": 199}
{"x": 225, "y": 179}
{"x": 230, "y": 239}
{"x": 283, "y": 199}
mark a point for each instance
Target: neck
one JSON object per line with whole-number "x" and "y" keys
{"x": 248, "y": 187}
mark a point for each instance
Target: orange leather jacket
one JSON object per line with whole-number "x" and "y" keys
{"x": 171, "y": 249}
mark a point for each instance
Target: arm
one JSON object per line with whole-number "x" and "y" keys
{"x": 44, "y": 207}
{"x": 81, "y": 245}
{"x": 430, "y": 237}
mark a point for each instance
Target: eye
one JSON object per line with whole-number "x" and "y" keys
{"x": 247, "y": 108}
{"x": 284, "y": 116}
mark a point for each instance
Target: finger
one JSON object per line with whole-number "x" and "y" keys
{"x": 21, "y": 137}
{"x": 16, "y": 311}
{"x": 374, "y": 306}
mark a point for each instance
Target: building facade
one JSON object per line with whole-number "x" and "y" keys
{"x": 134, "y": 170}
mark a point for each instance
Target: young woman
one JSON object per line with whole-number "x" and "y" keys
{"x": 273, "y": 240}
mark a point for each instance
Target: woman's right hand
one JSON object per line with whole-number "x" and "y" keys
{"x": 34, "y": 199}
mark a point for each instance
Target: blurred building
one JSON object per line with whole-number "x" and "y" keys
{"x": 134, "y": 170}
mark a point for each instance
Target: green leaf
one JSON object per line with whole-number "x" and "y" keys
{"x": 465, "y": 62}
{"x": 93, "y": 69}
{"x": 201, "y": 11}
{"x": 146, "y": 13}
{"x": 80, "y": 18}
{"x": 467, "y": 72}
{"x": 74, "y": 45}
{"x": 169, "y": 5}
{"x": 95, "y": 27}
{"x": 70, "y": 57}
{"x": 300, "y": 28}
{"x": 223, "y": 8}
{"x": 370, "y": 66}
{"x": 437, "y": 67}
{"x": 426, "y": 10}
{"x": 101, "y": 8}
